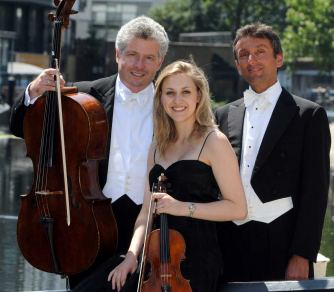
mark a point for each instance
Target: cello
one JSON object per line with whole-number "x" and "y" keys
{"x": 164, "y": 249}
{"x": 65, "y": 224}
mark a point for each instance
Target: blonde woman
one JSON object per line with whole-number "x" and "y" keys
{"x": 199, "y": 163}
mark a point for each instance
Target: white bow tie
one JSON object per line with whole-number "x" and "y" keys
{"x": 128, "y": 96}
{"x": 250, "y": 97}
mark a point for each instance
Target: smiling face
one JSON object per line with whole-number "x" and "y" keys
{"x": 179, "y": 97}
{"x": 138, "y": 63}
{"x": 256, "y": 62}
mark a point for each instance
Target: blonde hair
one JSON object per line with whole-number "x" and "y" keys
{"x": 164, "y": 127}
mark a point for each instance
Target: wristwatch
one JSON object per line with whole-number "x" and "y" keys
{"x": 192, "y": 209}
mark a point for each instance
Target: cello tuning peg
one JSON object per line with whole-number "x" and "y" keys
{"x": 74, "y": 12}
{"x": 51, "y": 17}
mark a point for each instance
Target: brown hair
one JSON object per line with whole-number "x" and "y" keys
{"x": 258, "y": 30}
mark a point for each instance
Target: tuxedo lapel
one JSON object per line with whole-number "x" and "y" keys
{"x": 235, "y": 127}
{"x": 282, "y": 115}
{"x": 107, "y": 101}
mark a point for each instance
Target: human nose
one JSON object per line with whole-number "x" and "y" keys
{"x": 177, "y": 98}
{"x": 251, "y": 59}
{"x": 139, "y": 63}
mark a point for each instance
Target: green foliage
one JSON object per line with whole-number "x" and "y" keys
{"x": 215, "y": 104}
{"x": 175, "y": 17}
{"x": 238, "y": 13}
{"x": 216, "y": 15}
{"x": 310, "y": 32}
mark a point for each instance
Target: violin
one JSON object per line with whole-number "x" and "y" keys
{"x": 164, "y": 249}
{"x": 65, "y": 224}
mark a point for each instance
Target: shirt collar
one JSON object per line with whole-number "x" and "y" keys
{"x": 121, "y": 88}
{"x": 273, "y": 92}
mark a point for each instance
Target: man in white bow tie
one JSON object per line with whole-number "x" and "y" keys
{"x": 282, "y": 142}
{"x": 127, "y": 97}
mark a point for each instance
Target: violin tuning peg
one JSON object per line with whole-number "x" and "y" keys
{"x": 73, "y": 12}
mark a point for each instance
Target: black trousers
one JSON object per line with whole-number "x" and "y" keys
{"x": 257, "y": 251}
{"x": 126, "y": 213}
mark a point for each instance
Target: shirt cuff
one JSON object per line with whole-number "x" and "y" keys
{"x": 27, "y": 100}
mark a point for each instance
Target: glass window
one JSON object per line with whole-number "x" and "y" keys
{"x": 99, "y": 14}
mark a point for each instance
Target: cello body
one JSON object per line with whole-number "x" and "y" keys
{"x": 45, "y": 239}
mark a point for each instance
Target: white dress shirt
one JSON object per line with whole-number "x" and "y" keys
{"x": 27, "y": 100}
{"x": 255, "y": 125}
{"x": 131, "y": 137}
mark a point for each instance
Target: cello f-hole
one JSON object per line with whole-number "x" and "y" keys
{"x": 70, "y": 186}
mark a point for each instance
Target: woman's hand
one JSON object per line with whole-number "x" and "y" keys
{"x": 119, "y": 274}
{"x": 168, "y": 205}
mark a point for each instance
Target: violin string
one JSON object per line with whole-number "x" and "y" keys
{"x": 164, "y": 247}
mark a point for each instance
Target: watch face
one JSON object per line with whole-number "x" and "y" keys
{"x": 192, "y": 207}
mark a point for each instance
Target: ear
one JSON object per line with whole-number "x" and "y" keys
{"x": 160, "y": 63}
{"x": 117, "y": 55}
{"x": 238, "y": 67}
{"x": 199, "y": 96}
{"x": 279, "y": 60}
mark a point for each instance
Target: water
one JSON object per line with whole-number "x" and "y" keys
{"x": 16, "y": 176}
{"x": 16, "y": 274}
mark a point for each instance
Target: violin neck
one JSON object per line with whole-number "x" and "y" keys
{"x": 164, "y": 240}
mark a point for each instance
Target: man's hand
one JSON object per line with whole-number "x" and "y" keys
{"x": 297, "y": 269}
{"x": 44, "y": 82}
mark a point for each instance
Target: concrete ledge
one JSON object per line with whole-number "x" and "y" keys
{"x": 314, "y": 285}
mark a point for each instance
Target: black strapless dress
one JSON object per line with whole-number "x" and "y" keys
{"x": 191, "y": 181}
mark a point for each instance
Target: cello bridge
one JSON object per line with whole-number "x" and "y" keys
{"x": 166, "y": 275}
{"x": 47, "y": 192}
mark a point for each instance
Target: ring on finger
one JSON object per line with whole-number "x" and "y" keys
{"x": 48, "y": 83}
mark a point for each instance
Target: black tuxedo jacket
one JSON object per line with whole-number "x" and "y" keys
{"x": 293, "y": 160}
{"x": 102, "y": 89}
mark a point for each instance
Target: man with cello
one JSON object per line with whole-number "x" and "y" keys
{"x": 127, "y": 97}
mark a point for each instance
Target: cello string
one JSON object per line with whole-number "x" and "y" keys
{"x": 42, "y": 154}
{"x": 53, "y": 106}
{"x": 50, "y": 121}
{"x": 47, "y": 143}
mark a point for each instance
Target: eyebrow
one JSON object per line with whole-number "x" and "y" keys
{"x": 133, "y": 51}
{"x": 261, "y": 45}
{"x": 181, "y": 88}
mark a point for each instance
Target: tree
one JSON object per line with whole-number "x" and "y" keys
{"x": 216, "y": 15}
{"x": 310, "y": 32}
{"x": 188, "y": 16}
{"x": 241, "y": 12}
